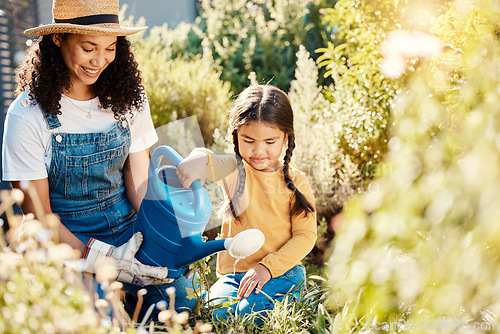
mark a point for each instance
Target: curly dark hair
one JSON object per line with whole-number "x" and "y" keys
{"x": 45, "y": 76}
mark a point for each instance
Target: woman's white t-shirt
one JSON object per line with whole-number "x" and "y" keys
{"x": 27, "y": 142}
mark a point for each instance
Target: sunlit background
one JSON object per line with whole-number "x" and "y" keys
{"x": 397, "y": 120}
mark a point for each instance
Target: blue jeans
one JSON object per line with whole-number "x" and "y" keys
{"x": 158, "y": 293}
{"x": 226, "y": 287}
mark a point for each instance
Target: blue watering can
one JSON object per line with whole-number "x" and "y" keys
{"x": 172, "y": 219}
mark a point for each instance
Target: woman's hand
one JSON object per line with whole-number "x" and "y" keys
{"x": 255, "y": 278}
{"x": 193, "y": 167}
{"x": 129, "y": 269}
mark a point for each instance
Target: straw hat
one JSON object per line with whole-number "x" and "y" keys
{"x": 86, "y": 17}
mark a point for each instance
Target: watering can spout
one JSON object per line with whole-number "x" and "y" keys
{"x": 240, "y": 246}
{"x": 195, "y": 249}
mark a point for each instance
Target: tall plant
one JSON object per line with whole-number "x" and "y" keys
{"x": 362, "y": 96}
{"x": 333, "y": 176}
{"x": 422, "y": 248}
{"x": 179, "y": 88}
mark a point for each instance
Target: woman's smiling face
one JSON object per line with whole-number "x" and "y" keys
{"x": 85, "y": 56}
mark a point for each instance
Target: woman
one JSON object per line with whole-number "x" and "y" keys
{"x": 79, "y": 132}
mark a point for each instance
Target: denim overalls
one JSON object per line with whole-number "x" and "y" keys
{"x": 86, "y": 185}
{"x": 88, "y": 194}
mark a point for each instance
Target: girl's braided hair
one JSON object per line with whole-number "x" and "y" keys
{"x": 44, "y": 74}
{"x": 263, "y": 103}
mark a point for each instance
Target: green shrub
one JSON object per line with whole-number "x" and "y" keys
{"x": 179, "y": 88}
{"x": 179, "y": 83}
{"x": 361, "y": 96}
{"x": 358, "y": 105}
{"x": 262, "y": 36}
{"x": 423, "y": 246}
{"x": 181, "y": 41}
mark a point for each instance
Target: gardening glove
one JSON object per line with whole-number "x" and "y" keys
{"x": 130, "y": 270}
{"x": 192, "y": 168}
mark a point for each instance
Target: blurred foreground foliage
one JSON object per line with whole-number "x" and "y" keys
{"x": 39, "y": 293}
{"x": 43, "y": 289}
{"x": 423, "y": 245}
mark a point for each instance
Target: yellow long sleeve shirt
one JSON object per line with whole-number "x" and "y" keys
{"x": 266, "y": 205}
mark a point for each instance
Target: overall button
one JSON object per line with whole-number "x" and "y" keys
{"x": 124, "y": 123}
{"x": 58, "y": 138}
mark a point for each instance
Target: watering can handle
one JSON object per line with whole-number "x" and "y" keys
{"x": 175, "y": 159}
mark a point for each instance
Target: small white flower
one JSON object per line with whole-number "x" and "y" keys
{"x": 43, "y": 235}
{"x": 24, "y": 184}
{"x": 161, "y": 305}
{"x": 182, "y": 318}
{"x": 106, "y": 271}
{"x": 101, "y": 303}
{"x": 77, "y": 265}
{"x": 393, "y": 67}
{"x": 204, "y": 328}
{"x": 396, "y": 43}
{"x": 116, "y": 285}
{"x": 170, "y": 291}
{"x": 60, "y": 252}
{"x": 428, "y": 45}
{"x": 401, "y": 45}
{"x": 17, "y": 195}
{"x": 106, "y": 323}
{"x": 142, "y": 292}
{"x": 164, "y": 316}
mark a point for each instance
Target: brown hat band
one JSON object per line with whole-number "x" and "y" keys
{"x": 91, "y": 19}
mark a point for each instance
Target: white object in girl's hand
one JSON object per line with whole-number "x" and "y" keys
{"x": 245, "y": 243}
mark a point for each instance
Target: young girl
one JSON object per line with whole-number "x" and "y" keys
{"x": 263, "y": 193}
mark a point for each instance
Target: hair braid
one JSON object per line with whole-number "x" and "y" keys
{"x": 301, "y": 203}
{"x": 228, "y": 210}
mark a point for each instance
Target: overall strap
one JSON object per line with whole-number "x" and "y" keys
{"x": 52, "y": 122}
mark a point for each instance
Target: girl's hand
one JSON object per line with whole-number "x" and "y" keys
{"x": 255, "y": 278}
{"x": 193, "y": 167}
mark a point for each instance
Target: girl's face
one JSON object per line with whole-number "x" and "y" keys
{"x": 86, "y": 57}
{"x": 260, "y": 145}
